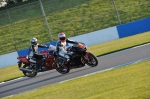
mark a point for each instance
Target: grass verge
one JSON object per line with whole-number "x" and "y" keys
{"x": 120, "y": 44}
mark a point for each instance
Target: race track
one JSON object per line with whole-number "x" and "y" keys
{"x": 51, "y": 77}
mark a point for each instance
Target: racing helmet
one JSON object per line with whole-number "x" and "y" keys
{"x": 33, "y": 41}
{"x": 62, "y": 37}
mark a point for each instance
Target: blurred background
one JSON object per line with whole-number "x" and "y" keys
{"x": 21, "y": 20}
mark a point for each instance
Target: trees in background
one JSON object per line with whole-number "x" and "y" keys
{"x": 14, "y": 1}
{"x": 4, "y": 3}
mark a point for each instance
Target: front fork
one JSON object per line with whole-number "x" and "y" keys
{"x": 86, "y": 56}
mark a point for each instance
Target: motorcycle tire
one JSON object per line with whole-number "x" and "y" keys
{"x": 61, "y": 69}
{"x": 29, "y": 74}
{"x": 92, "y": 60}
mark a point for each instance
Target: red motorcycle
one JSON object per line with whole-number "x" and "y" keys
{"x": 77, "y": 60}
{"x": 46, "y": 60}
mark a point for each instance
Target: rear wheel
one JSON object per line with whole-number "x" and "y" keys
{"x": 29, "y": 74}
{"x": 91, "y": 60}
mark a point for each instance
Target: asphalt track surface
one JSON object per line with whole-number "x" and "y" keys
{"x": 25, "y": 84}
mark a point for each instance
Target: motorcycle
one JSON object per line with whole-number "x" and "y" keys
{"x": 78, "y": 59}
{"x": 45, "y": 59}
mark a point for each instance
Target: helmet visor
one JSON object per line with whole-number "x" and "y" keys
{"x": 34, "y": 43}
{"x": 62, "y": 38}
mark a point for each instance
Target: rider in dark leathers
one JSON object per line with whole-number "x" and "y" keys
{"x": 61, "y": 48}
{"x": 33, "y": 52}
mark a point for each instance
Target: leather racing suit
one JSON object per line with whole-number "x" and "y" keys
{"x": 61, "y": 48}
{"x": 33, "y": 52}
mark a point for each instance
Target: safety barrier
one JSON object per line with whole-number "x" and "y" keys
{"x": 89, "y": 39}
{"x": 133, "y": 28}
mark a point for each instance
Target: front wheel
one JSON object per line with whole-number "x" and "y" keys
{"x": 29, "y": 74}
{"x": 90, "y": 60}
{"x": 61, "y": 67}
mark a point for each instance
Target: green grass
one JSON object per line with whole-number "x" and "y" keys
{"x": 9, "y": 73}
{"x": 71, "y": 17}
{"x": 12, "y": 72}
{"x": 130, "y": 82}
{"x": 116, "y": 45}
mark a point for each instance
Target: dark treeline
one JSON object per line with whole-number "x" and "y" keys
{"x": 13, "y": 3}
{"x": 9, "y": 2}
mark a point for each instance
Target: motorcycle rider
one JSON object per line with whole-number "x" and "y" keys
{"x": 33, "y": 52}
{"x": 61, "y": 48}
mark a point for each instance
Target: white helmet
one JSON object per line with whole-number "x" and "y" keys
{"x": 62, "y": 37}
{"x": 33, "y": 41}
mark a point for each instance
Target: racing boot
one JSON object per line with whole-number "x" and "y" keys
{"x": 37, "y": 68}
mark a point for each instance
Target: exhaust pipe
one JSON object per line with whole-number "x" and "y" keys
{"x": 25, "y": 69}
